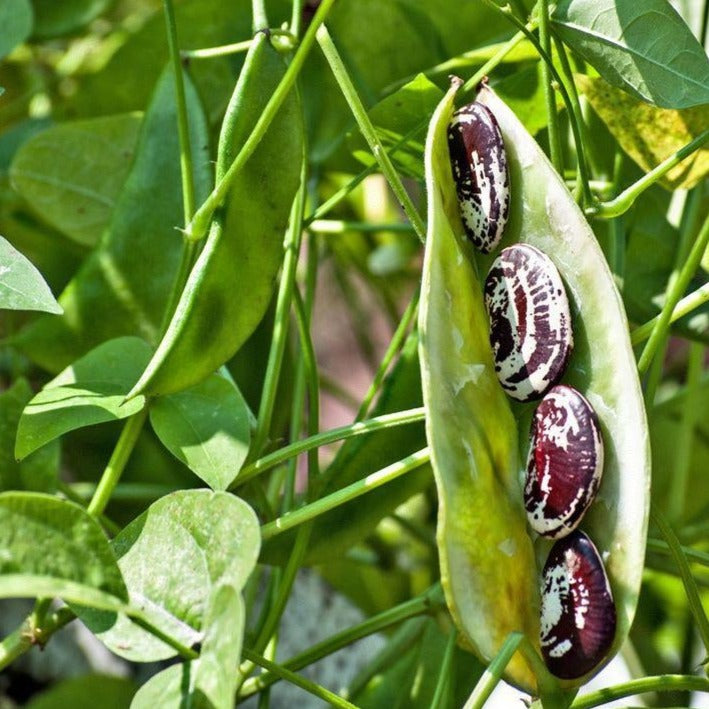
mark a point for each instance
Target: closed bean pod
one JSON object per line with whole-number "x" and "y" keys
{"x": 578, "y": 613}
{"x": 530, "y": 324}
{"x": 565, "y": 462}
{"x": 479, "y": 164}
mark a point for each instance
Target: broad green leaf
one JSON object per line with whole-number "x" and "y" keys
{"x": 15, "y": 24}
{"x": 53, "y": 548}
{"x": 90, "y": 391}
{"x": 83, "y": 692}
{"x": 71, "y": 174}
{"x": 207, "y": 428}
{"x": 172, "y": 558}
{"x": 53, "y": 18}
{"x": 21, "y": 284}
{"x": 210, "y": 681}
{"x": 123, "y": 287}
{"x": 523, "y": 92}
{"x": 644, "y": 47}
{"x": 472, "y": 425}
{"x": 231, "y": 284}
{"x": 649, "y": 134}
{"x": 39, "y": 471}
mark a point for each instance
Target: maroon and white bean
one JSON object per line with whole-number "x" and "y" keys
{"x": 530, "y": 323}
{"x": 565, "y": 462}
{"x": 578, "y": 617}
{"x": 479, "y": 163}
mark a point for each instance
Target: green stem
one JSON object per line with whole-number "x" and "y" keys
{"x": 690, "y": 416}
{"x": 395, "y": 345}
{"x": 368, "y": 131}
{"x": 549, "y": 94}
{"x": 296, "y": 17}
{"x": 690, "y": 586}
{"x": 340, "y": 497}
{"x": 657, "y": 683}
{"x": 359, "y": 428}
{"x": 493, "y": 674}
{"x": 221, "y": 51}
{"x": 694, "y": 555}
{"x": 117, "y": 462}
{"x": 197, "y": 228}
{"x": 338, "y": 226}
{"x": 625, "y": 200}
{"x": 306, "y": 684}
{"x": 279, "y": 337}
{"x": 674, "y": 293}
{"x": 260, "y": 18}
{"x": 444, "y": 673}
{"x": 432, "y": 599}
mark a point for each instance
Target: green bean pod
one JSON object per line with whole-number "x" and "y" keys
{"x": 230, "y": 286}
{"x": 490, "y": 561}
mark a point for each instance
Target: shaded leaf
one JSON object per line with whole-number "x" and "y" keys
{"x": 38, "y": 472}
{"x": 71, "y": 174}
{"x": 15, "y": 24}
{"x": 172, "y": 558}
{"x": 53, "y": 18}
{"x": 649, "y": 134}
{"x": 82, "y": 693}
{"x": 51, "y": 548}
{"x": 90, "y": 391}
{"x": 22, "y": 286}
{"x": 643, "y": 47}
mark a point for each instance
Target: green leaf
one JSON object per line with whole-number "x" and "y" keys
{"x": 15, "y": 24}
{"x": 71, "y": 174}
{"x": 90, "y": 391}
{"x": 643, "y": 47}
{"x": 479, "y": 438}
{"x": 207, "y": 428}
{"x": 172, "y": 558}
{"x": 21, "y": 284}
{"x": 122, "y": 288}
{"x": 53, "y": 18}
{"x": 53, "y": 548}
{"x": 649, "y": 134}
{"x": 38, "y": 472}
{"x": 82, "y": 693}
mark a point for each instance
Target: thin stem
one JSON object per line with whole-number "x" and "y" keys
{"x": 690, "y": 586}
{"x": 221, "y": 51}
{"x": 260, "y": 18}
{"x": 296, "y": 17}
{"x": 309, "y": 686}
{"x": 549, "y": 94}
{"x": 674, "y": 293}
{"x": 444, "y": 673}
{"x": 657, "y": 683}
{"x": 337, "y": 226}
{"x": 197, "y": 228}
{"x": 340, "y": 497}
{"x": 359, "y": 428}
{"x": 656, "y": 372}
{"x": 281, "y": 319}
{"x": 690, "y": 415}
{"x": 625, "y": 200}
{"x": 117, "y": 462}
{"x": 395, "y": 345}
{"x": 368, "y": 131}
{"x": 694, "y": 555}
{"x": 432, "y": 599}
{"x": 493, "y": 674}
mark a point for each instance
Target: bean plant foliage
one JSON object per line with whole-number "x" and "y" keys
{"x": 185, "y": 184}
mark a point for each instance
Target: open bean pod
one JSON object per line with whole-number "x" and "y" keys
{"x": 490, "y": 565}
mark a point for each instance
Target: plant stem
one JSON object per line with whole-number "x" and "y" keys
{"x": 444, "y": 673}
{"x": 493, "y": 674}
{"x": 279, "y": 337}
{"x": 549, "y": 95}
{"x": 674, "y": 293}
{"x": 200, "y": 222}
{"x": 260, "y": 19}
{"x": 689, "y": 303}
{"x": 221, "y": 51}
{"x": 117, "y": 462}
{"x": 306, "y": 684}
{"x": 690, "y": 586}
{"x": 425, "y": 603}
{"x": 400, "y": 418}
{"x": 340, "y": 497}
{"x": 396, "y": 343}
{"x": 657, "y": 683}
{"x": 296, "y": 17}
{"x": 625, "y": 200}
{"x": 337, "y": 226}
{"x": 368, "y": 131}
{"x": 694, "y": 555}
